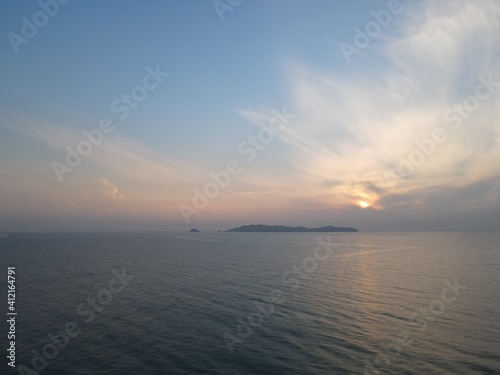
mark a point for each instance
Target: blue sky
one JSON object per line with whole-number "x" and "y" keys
{"x": 355, "y": 118}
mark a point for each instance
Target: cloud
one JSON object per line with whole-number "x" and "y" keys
{"x": 145, "y": 171}
{"x": 102, "y": 187}
{"x": 353, "y": 129}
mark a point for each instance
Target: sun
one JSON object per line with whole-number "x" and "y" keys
{"x": 363, "y": 204}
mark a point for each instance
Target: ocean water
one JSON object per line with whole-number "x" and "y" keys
{"x": 253, "y": 303}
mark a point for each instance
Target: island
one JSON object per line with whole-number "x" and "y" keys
{"x": 194, "y": 230}
{"x": 282, "y": 228}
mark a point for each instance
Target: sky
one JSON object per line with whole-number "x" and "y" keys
{"x": 169, "y": 115}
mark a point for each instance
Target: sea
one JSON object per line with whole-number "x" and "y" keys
{"x": 251, "y": 303}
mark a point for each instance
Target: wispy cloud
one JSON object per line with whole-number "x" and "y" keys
{"x": 353, "y": 128}
{"x": 151, "y": 181}
{"x": 105, "y": 188}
